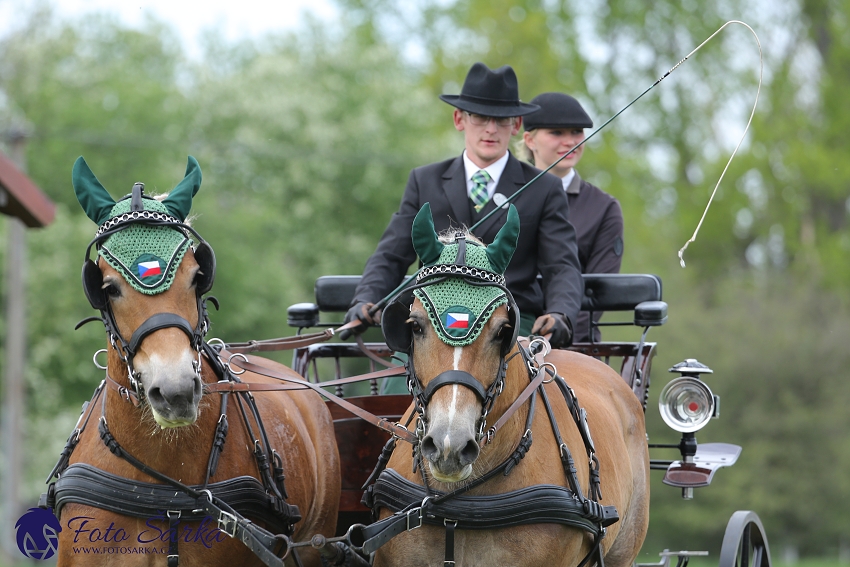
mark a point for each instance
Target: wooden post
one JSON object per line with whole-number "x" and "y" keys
{"x": 15, "y": 351}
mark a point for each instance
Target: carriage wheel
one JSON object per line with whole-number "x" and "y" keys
{"x": 745, "y": 544}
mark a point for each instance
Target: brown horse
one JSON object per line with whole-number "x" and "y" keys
{"x": 155, "y": 409}
{"x": 454, "y": 450}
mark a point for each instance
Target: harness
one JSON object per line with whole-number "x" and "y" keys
{"x": 225, "y": 502}
{"x": 416, "y": 504}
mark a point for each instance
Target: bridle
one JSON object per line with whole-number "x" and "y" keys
{"x": 93, "y": 281}
{"x": 399, "y": 337}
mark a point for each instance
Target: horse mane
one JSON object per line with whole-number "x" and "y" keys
{"x": 448, "y": 236}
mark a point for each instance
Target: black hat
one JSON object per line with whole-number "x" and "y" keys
{"x": 557, "y": 110}
{"x": 490, "y": 93}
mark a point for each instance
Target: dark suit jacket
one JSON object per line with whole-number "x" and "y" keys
{"x": 598, "y": 220}
{"x": 547, "y": 241}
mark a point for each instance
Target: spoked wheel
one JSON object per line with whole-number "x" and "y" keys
{"x": 745, "y": 544}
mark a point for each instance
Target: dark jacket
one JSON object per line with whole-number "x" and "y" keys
{"x": 598, "y": 220}
{"x": 547, "y": 241}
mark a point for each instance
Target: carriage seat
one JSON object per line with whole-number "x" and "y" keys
{"x": 640, "y": 293}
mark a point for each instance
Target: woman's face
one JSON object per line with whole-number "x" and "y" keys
{"x": 548, "y": 144}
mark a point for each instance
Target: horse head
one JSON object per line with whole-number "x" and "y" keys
{"x": 458, "y": 326}
{"x": 147, "y": 281}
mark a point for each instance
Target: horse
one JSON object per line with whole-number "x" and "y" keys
{"x": 476, "y": 490}
{"x": 159, "y": 427}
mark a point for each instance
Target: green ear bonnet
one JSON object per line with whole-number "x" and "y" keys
{"x": 142, "y": 238}
{"x": 147, "y": 256}
{"x": 460, "y": 302}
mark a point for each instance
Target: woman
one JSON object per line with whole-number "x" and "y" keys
{"x": 551, "y": 132}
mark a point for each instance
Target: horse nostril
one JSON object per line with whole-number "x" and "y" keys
{"x": 429, "y": 449}
{"x": 155, "y": 396}
{"x": 469, "y": 452}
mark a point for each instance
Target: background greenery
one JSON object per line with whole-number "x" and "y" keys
{"x": 306, "y": 140}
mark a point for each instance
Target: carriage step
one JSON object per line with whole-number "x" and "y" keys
{"x": 683, "y": 558}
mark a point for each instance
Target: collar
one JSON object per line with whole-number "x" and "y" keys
{"x": 572, "y": 182}
{"x": 495, "y": 171}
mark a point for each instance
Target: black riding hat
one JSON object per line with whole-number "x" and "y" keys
{"x": 557, "y": 110}
{"x": 490, "y": 93}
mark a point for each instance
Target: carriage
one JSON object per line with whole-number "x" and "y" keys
{"x": 305, "y": 442}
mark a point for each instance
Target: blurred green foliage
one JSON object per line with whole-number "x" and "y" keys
{"x": 306, "y": 140}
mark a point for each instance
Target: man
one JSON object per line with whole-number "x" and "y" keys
{"x": 464, "y": 189}
{"x": 550, "y": 133}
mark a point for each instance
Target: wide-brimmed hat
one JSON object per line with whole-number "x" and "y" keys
{"x": 490, "y": 93}
{"x": 557, "y": 110}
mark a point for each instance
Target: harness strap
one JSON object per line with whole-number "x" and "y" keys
{"x": 85, "y": 484}
{"x": 395, "y": 429}
{"x": 126, "y": 393}
{"x": 450, "y": 542}
{"x": 257, "y": 539}
{"x": 173, "y": 554}
{"x": 282, "y": 343}
{"x": 454, "y": 377}
{"x": 530, "y": 505}
{"x": 74, "y": 438}
{"x": 524, "y": 395}
{"x": 155, "y": 323}
{"x": 294, "y": 383}
{"x": 221, "y": 429}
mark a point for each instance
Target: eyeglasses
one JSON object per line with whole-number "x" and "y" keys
{"x": 481, "y": 120}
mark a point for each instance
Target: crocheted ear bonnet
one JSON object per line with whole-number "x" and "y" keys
{"x": 147, "y": 256}
{"x": 458, "y": 309}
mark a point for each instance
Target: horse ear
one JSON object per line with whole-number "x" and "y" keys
{"x": 428, "y": 247}
{"x": 502, "y": 249}
{"x": 179, "y": 200}
{"x": 94, "y": 198}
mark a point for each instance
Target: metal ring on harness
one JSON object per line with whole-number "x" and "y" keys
{"x": 554, "y": 373}
{"x": 94, "y": 359}
{"x": 230, "y": 368}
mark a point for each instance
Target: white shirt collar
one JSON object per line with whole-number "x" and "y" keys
{"x": 568, "y": 178}
{"x": 495, "y": 170}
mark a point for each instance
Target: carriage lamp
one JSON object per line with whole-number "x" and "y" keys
{"x": 686, "y": 403}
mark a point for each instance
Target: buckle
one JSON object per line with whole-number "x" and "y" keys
{"x": 418, "y": 512}
{"x": 227, "y": 523}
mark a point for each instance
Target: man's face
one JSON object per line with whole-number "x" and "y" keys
{"x": 486, "y": 138}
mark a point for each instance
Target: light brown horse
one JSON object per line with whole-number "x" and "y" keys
{"x": 172, "y": 431}
{"x": 452, "y": 455}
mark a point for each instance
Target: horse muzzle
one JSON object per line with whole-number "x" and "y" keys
{"x": 450, "y": 451}
{"x": 174, "y": 396}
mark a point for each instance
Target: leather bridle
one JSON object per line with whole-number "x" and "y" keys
{"x": 127, "y": 349}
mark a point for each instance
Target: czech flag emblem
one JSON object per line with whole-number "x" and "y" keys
{"x": 457, "y": 320}
{"x": 147, "y": 269}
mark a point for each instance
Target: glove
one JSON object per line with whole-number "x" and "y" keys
{"x": 360, "y": 312}
{"x": 556, "y": 325}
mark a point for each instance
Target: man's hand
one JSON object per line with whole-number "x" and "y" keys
{"x": 361, "y": 313}
{"x": 557, "y": 325}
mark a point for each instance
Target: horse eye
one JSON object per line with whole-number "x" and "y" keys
{"x": 504, "y": 331}
{"x": 415, "y": 326}
{"x": 111, "y": 290}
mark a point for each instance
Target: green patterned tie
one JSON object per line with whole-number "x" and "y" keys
{"x": 479, "y": 194}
